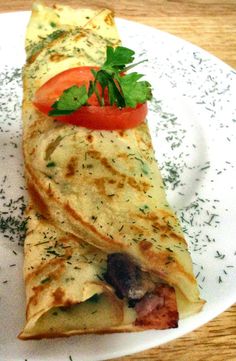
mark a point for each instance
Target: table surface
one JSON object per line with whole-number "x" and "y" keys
{"x": 210, "y": 24}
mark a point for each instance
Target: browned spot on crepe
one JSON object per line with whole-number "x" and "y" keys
{"x": 71, "y": 167}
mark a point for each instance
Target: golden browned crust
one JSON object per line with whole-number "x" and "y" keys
{"x": 158, "y": 262}
{"x": 104, "y": 331}
{"x": 38, "y": 200}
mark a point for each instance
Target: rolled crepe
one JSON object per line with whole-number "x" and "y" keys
{"x": 102, "y": 203}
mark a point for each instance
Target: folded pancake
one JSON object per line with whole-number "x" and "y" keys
{"x": 67, "y": 293}
{"x": 99, "y": 197}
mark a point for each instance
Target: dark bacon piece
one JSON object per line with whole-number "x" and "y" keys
{"x": 162, "y": 316}
{"x": 126, "y": 277}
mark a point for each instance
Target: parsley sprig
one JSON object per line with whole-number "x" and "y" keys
{"x": 124, "y": 90}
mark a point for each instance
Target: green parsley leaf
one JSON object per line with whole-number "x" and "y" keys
{"x": 101, "y": 78}
{"x": 134, "y": 91}
{"x": 114, "y": 93}
{"x": 115, "y": 96}
{"x": 123, "y": 90}
{"x": 106, "y": 80}
{"x": 70, "y": 100}
{"x": 117, "y": 58}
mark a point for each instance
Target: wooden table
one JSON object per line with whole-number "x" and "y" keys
{"x": 211, "y": 24}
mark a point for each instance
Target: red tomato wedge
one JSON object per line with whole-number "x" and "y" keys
{"x": 92, "y": 116}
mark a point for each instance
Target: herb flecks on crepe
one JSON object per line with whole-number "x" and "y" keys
{"x": 100, "y": 189}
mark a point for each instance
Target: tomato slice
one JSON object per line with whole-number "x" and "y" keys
{"x": 92, "y": 116}
{"x": 107, "y": 117}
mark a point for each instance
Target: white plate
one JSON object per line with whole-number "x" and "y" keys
{"x": 193, "y": 124}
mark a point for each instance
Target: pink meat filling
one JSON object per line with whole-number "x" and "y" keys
{"x": 149, "y": 303}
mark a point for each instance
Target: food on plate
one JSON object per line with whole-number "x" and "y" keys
{"x": 104, "y": 252}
